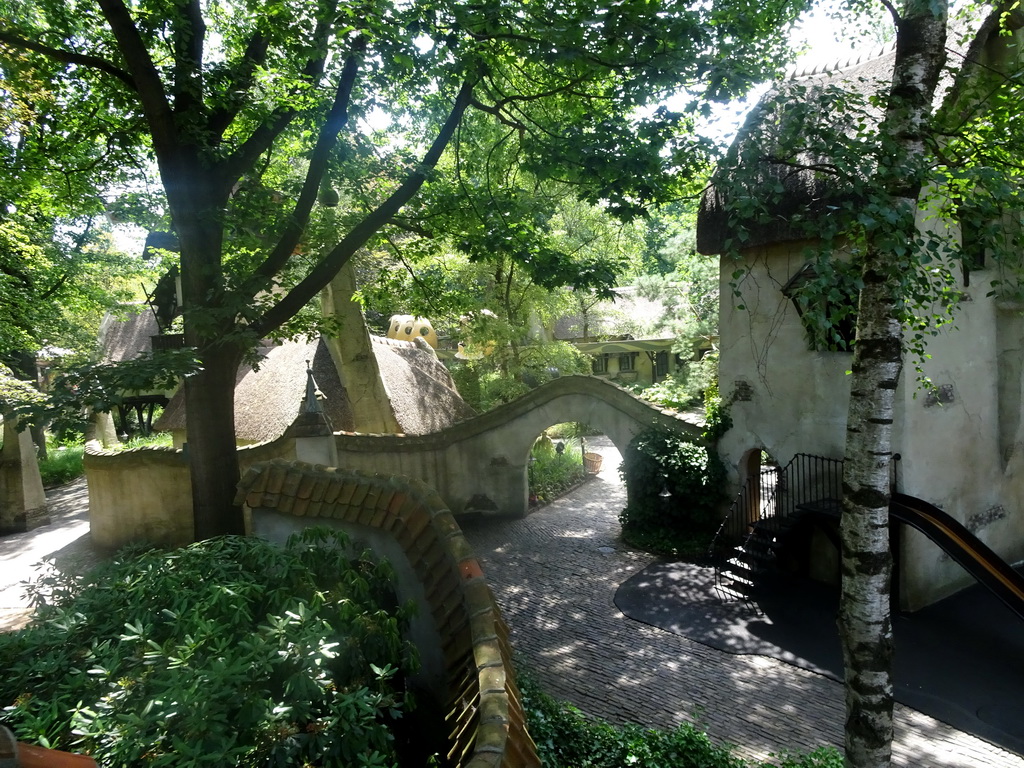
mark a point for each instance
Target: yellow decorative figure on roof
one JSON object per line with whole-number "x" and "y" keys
{"x": 409, "y": 327}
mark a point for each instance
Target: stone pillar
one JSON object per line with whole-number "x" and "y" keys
{"x": 22, "y": 501}
{"x": 352, "y": 352}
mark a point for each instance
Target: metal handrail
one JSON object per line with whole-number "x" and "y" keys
{"x": 806, "y": 478}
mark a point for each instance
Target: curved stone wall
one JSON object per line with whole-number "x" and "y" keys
{"x": 462, "y": 638}
{"x": 145, "y": 494}
{"x": 475, "y": 465}
{"x": 480, "y": 464}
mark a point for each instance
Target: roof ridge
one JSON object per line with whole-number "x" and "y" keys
{"x": 855, "y": 60}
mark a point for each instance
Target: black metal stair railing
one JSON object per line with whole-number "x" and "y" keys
{"x": 747, "y": 541}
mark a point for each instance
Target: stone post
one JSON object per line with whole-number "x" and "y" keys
{"x": 104, "y": 430}
{"x": 22, "y": 501}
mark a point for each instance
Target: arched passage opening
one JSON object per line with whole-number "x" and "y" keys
{"x": 482, "y": 464}
{"x": 759, "y": 481}
{"x": 556, "y": 463}
{"x": 579, "y": 425}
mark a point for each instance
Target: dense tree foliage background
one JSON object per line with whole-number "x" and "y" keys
{"x": 254, "y": 112}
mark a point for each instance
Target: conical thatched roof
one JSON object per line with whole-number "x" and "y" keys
{"x": 769, "y": 127}
{"x": 422, "y": 393}
{"x": 267, "y": 400}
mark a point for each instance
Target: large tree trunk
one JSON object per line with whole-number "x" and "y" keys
{"x": 865, "y": 613}
{"x": 212, "y": 330}
{"x": 212, "y": 453}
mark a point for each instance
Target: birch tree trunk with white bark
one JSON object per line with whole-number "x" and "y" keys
{"x": 865, "y": 614}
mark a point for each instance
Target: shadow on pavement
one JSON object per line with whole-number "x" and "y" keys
{"x": 960, "y": 660}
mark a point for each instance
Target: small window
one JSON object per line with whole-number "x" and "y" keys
{"x": 627, "y": 361}
{"x": 600, "y": 363}
{"x": 972, "y": 240}
{"x": 827, "y": 308}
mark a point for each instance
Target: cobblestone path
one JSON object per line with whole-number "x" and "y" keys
{"x": 555, "y": 574}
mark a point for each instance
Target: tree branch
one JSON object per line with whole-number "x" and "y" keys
{"x": 326, "y": 141}
{"x": 189, "y": 38}
{"x": 145, "y": 76}
{"x": 261, "y": 139}
{"x": 397, "y": 250}
{"x": 80, "y": 240}
{"x": 68, "y": 57}
{"x": 892, "y": 11}
{"x": 241, "y": 83}
{"x": 328, "y": 267}
{"x": 828, "y": 168}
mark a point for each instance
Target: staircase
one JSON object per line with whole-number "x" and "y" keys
{"x": 746, "y": 546}
{"x": 738, "y": 576}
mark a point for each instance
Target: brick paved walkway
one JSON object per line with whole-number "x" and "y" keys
{"x": 555, "y": 574}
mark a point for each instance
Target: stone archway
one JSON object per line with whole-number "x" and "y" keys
{"x": 481, "y": 464}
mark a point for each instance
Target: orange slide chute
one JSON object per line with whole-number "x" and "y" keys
{"x": 976, "y": 557}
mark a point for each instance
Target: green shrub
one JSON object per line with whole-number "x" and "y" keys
{"x": 717, "y": 420}
{"x": 702, "y": 374}
{"x": 466, "y": 377}
{"x": 541, "y": 361}
{"x": 566, "y": 738}
{"x": 232, "y": 652}
{"x": 686, "y": 387}
{"x": 497, "y": 389}
{"x": 694, "y": 477}
{"x": 670, "y": 393}
{"x": 498, "y": 379}
{"x": 63, "y": 463}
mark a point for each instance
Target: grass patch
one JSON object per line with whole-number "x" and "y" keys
{"x": 63, "y": 463}
{"x": 153, "y": 440}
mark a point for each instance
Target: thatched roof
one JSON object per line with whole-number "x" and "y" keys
{"x": 626, "y": 311}
{"x": 422, "y": 393}
{"x": 126, "y": 338}
{"x": 766, "y": 129}
{"x": 267, "y": 400}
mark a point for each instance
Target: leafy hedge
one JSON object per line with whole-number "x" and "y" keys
{"x": 566, "y": 738}
{"x": 232, "y": 651}
{"x": 63, "y": 463}
{"x": 680, "y": 523}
